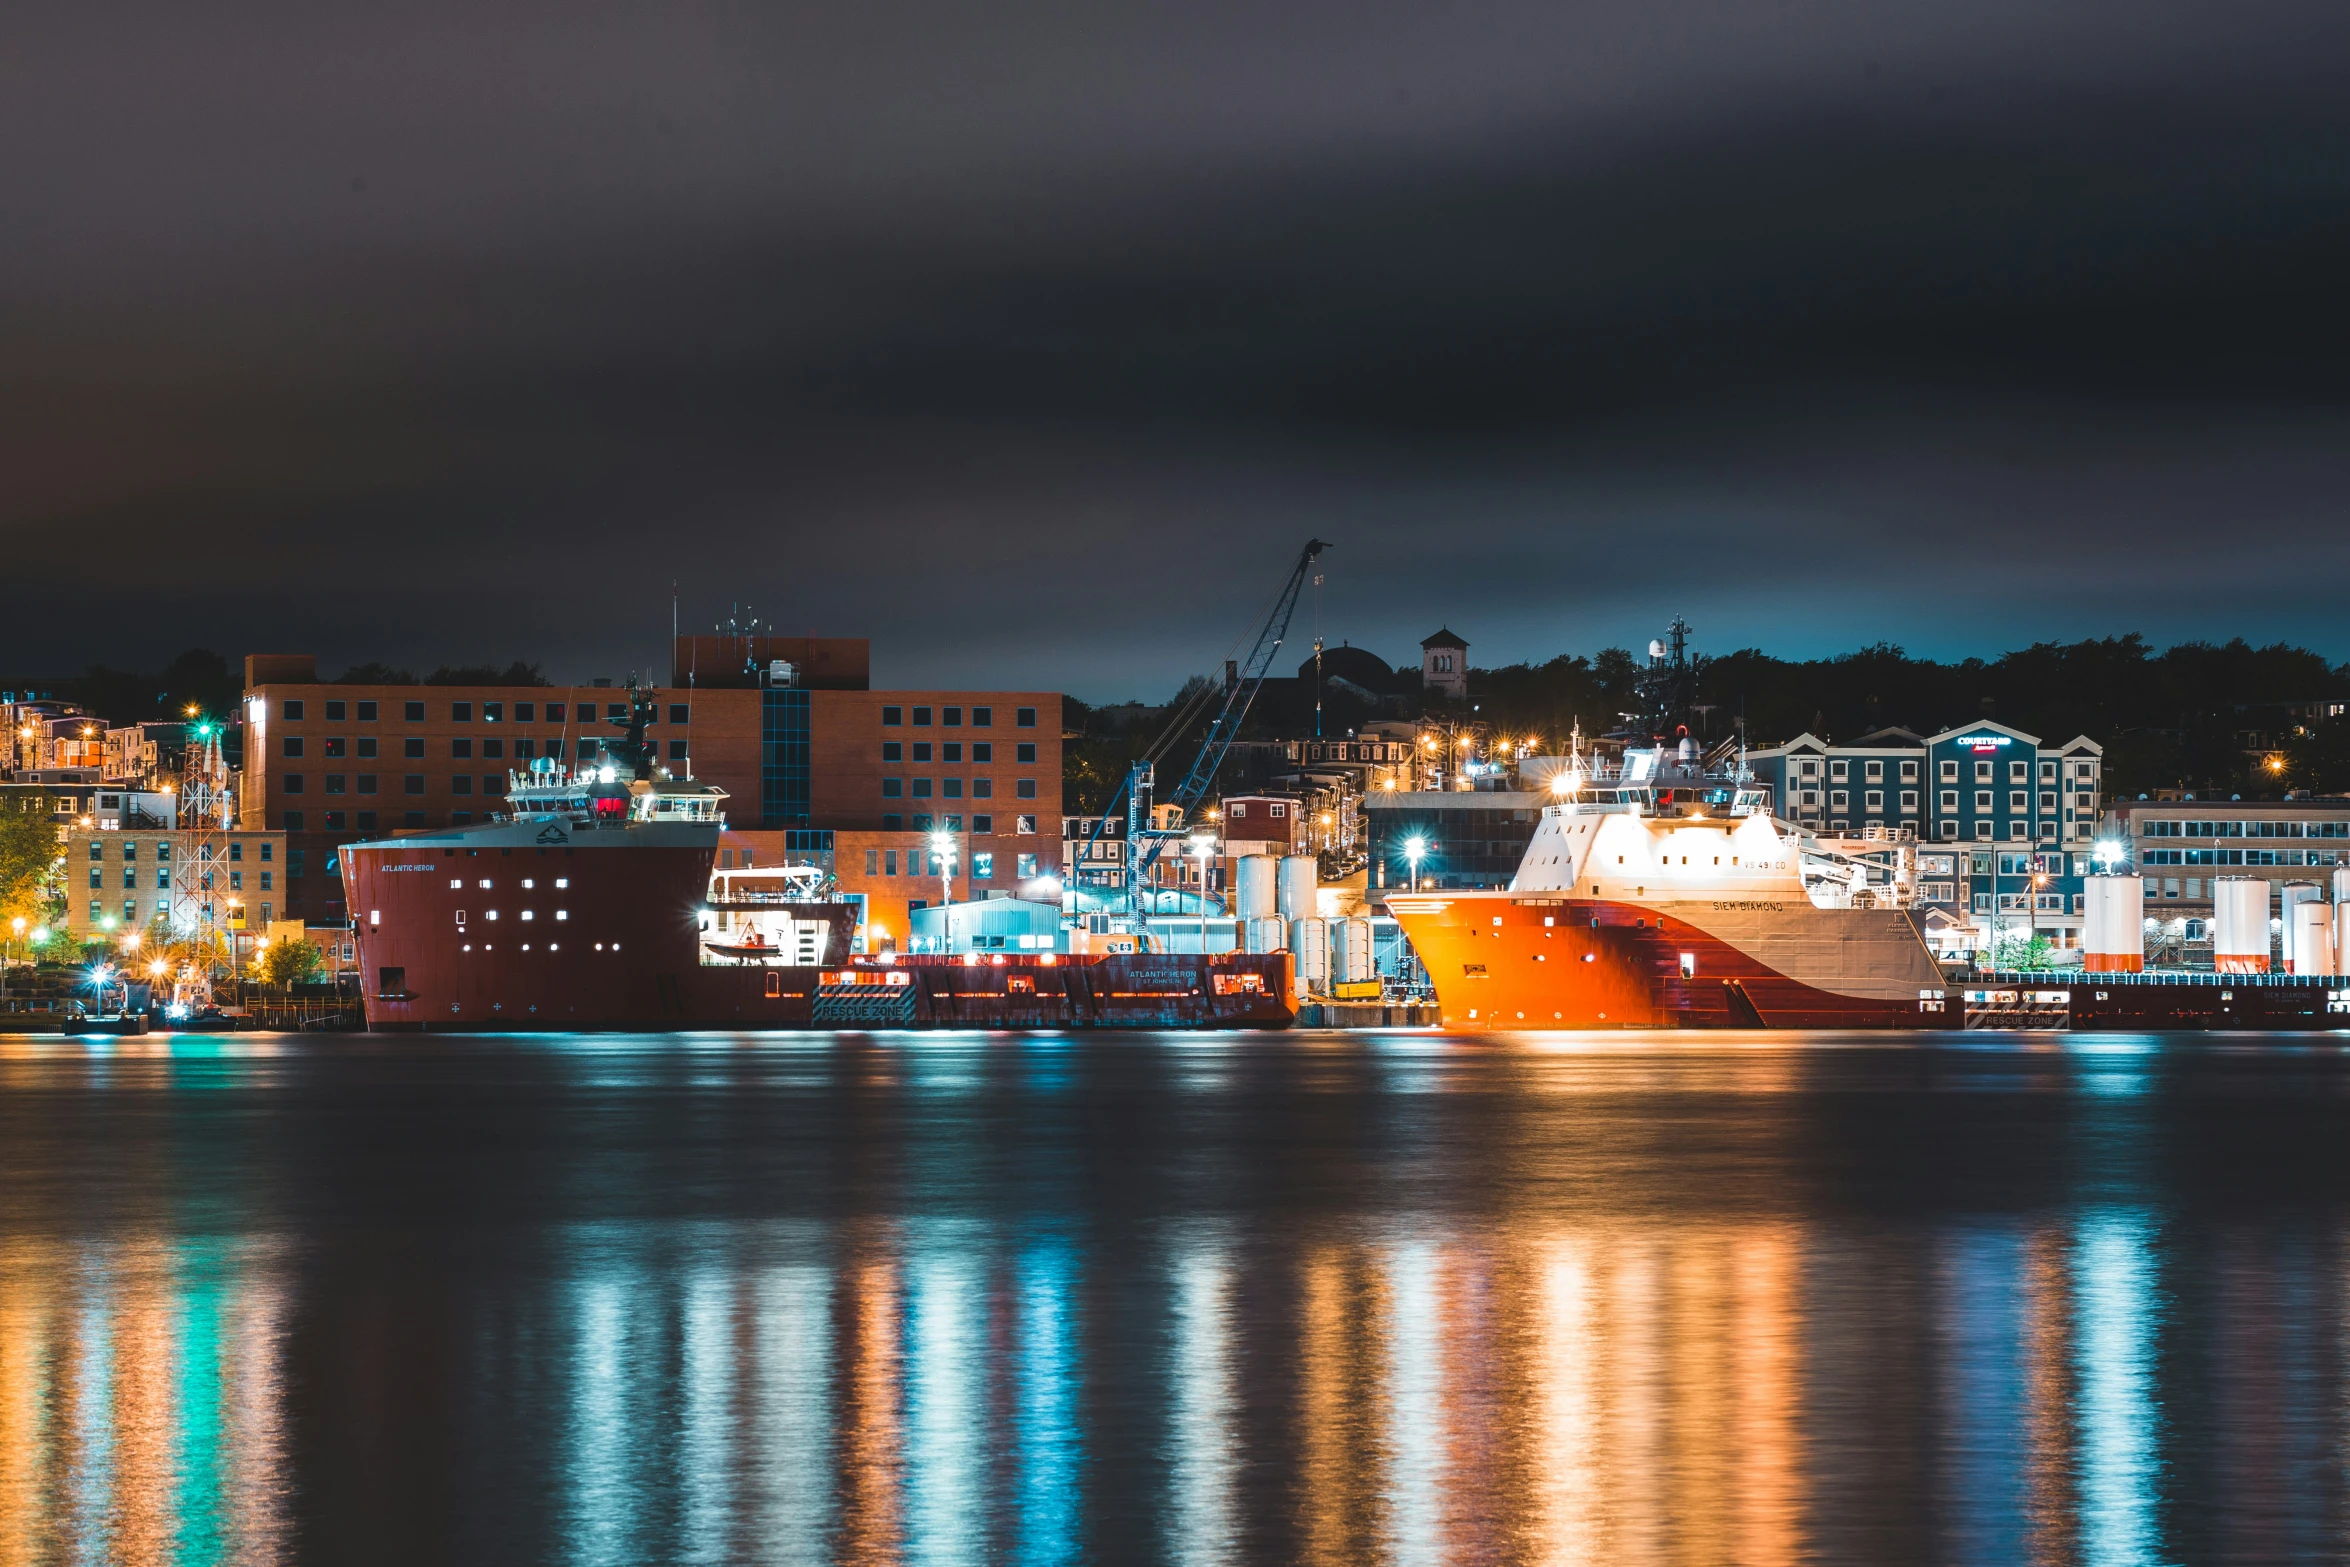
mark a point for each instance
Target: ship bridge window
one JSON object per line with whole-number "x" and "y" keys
{"x": 457, "y": 885}
{"x": 562, "y": 881}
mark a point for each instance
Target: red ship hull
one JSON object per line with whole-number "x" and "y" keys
{"x": 537, "y": 926}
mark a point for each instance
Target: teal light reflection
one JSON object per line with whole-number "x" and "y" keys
{"x": 602, "y": 1523}
{"x": 1050, "y": 1441}
{"x": 944, "y": 1447}
{"x": 1982, "y": 1330}
{"x": 2120, "y": 1461}
{"x": 705, "y": 1456}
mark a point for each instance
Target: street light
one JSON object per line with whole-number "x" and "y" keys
{"x": 1413, "y": 848}
{"x": 942, "y": 844}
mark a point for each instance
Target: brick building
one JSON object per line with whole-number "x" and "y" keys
{"x": 328, "y": 764}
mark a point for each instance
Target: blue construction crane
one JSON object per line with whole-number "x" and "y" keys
{"x": 1243, "y": 679}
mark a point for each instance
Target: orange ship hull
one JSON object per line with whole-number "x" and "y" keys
{"x": 1535, "y": 962}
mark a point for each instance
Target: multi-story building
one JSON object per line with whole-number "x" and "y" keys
{"x": 123, "y": 880}
{"x": 327, "y": 764}
{"x": 1979, "y": 783}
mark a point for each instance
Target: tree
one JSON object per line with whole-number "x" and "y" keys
{"x": 29, "y": 857}
{"x": 291, "y": 961}
{"x": 517, "y": 673}
{"x": 376, "y": 674}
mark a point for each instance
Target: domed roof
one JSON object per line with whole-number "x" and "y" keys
{"x": 1358, "y": 664}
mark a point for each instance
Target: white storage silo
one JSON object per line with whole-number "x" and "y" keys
{"x": 1266, "y": 933}
{"x": 2113, "y": 925}
{"x": 1310, "y": 940}
{"x": 1254, "y": 896}
{"x": 2309, "y": 936}
{"x": 2342, "y": 884}
{"x": 1300, "y": 875}
{"x": 2341, "y": 933}
{"x": 1350, "y": 952}
{"x": 2239, "y": 924}
{"x": 2290, "y": 897}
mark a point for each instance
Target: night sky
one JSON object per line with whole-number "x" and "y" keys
{"x": 1031, "y": 340}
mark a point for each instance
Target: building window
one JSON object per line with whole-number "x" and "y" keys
{"x": 951, "y": 788}
{"x": 293, "y": 821}
{"x": 921, "y": 788}
{"x": 983, "y": 824}
{"x": 1909, "y": 772}
{"x": 983, "y": 788}
{"x": 1982, "y": 832}
{"x": 954, "y": 824}
{"x": 1983, "y": 800}
{"x": 2016, "y": 801}
{"x": 892, "y": 788}
{"x": 1950, "y": 772}
{"x": 1025, "y": 717}
{"x": 893, "y": 751}
{"x": 461, "y": 783}
{"x": 493, "y": 748}
{"x": 289, "y": 783}
{"x": 587, "y": 748}
{"x": 1025, "y": 788}
{"x": 2048, "y": 802}
{"x": 525, "y": 712}
{"x": 921, "y": 717}
{"x": 413, "y": 712}
{"x": 893, "y": 715}
{"x": 554, "y": 712}
{"x": 334, "y": 823}
{"x": 1874, "y": 801}
{"x": 2017, "y": 772}
{"x": 1839, "y": 769}
{"x": 413, "y": 747}
{"x": 892, "y": 822}
{"x": 413, "y": 783}
{"x": 367, "y": 712}
{"x": 291, "y": 712}
{"x": 1873, "y": 771}
{"x": 1839, "y": 800}
{"x": 1909, "y": 802}
{"x": 366, "y": 746}
{"x": 1024, "y": 826}
{"x": 983, "y": 718}
{"x": 921, "y": 822}
{"x": 236, "y": 851}
{"x": 983, "y": 752}
{"x": 951, "y": 717}
{"x": 1025, "y": 752}
{"x": 366, "y": 824}
{"x": 336, "y": 745}
{"x": 268, "y": 853}
{"x": 983, "y": 866}
{"x": 616, "y": 712}
{"x": 293, "y": 745}
{"x": 2048, "y": 772}
{"x": 952, "y": 751}
{"x": 334, "y": 712}
{"x": 460, "y": 712}
{"x": 676, "y": 750}
{"x": 334, "y": 783}
{"x": 493, "y": 712}
{"x": 462, "y": 750}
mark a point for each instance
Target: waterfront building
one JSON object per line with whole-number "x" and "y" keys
{"x": 1444, "y": 665}
{"x": 2180, "y": 844}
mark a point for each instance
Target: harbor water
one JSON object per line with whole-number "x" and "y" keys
{"x": 1192, "y": 1298}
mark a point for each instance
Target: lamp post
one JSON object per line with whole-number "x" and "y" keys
{"x": 1413, "y": 848}
{"x": 16, "y": 928}
{"x": 942, "y": 844}
{"x": 1204, "y": 850}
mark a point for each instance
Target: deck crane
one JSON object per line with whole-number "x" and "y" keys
{"x": 1243, "y": 679}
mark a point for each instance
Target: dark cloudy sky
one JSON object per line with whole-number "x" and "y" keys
{"x": 1031, "y": 339}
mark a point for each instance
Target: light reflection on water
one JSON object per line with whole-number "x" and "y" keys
{"x": 1204, "y": 1301}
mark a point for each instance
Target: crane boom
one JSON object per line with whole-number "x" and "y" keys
{"x": 1145, "y": 843}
